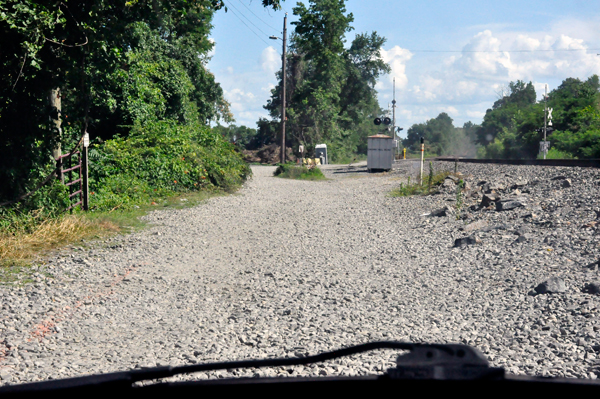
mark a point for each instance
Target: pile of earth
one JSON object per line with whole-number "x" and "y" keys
{"x": 269, "y": 154}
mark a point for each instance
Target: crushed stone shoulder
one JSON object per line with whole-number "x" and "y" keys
{"x": 289, "y": 268}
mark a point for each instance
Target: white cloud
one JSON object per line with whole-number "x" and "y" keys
{"x": 484, "y": 64}
{"x": 270, "y": 60}
{"x": 450, "y": 110}
{"x": 397, "y": 58}
{"x": 240, "y": 101}
{"x": 547, "y": 57}
{"x": 267, "y": 89}
{"x": 466, "y": 85}
{"x": 475, "y": 114}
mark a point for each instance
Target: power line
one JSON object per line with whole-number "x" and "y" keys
{"x": 257, "y": 15}
{"x": 248, "y": 19}
{"x": 242, "y": 21}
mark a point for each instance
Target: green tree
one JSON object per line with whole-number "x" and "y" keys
{"x": 330, "y": 88}
{"x": 112, "y": 64}
{"x": 513, "y": 127}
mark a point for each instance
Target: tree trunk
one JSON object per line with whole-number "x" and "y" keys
{"x": 55, "y": 121}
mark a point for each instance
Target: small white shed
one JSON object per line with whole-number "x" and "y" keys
{"x": 380, "y": 152}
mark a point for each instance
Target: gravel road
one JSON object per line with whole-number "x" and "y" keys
{"x": 289, "y": 268}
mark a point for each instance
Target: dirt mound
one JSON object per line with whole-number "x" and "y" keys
{"x": 268, "y": 154}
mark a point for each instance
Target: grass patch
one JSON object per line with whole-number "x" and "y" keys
{"x": 299, "y": 172}
{"x": 19, "y": 246}
{"x": 429, "y": 185}
{"x": 23, "y": 241}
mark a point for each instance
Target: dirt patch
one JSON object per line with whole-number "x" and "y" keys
{"x": 269, "y": 154}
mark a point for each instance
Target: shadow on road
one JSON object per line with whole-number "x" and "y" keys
{"x": 350, "y": 170}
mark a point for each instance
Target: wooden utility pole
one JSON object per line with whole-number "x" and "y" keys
{"x": 283, "y": 71}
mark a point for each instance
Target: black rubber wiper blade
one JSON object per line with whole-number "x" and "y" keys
{"x": 420, "y": 355}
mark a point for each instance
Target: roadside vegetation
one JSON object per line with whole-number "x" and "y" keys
{"x": 162, "y": 164}
{"x": 428, "y": 186}
{"x": 134, "y": 76}
{"x": 289, "y": 171}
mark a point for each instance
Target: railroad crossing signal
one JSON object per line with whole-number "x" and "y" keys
{"x": 549, "y": 116}
{"x": 386, "y": 121}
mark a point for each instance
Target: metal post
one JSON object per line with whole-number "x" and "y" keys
{"x": 545, "y": 113}
{"x": 70, "y": 179}
{"x": 394, "y": 117}
{"x": 422, "y": 156}
{"x": 283, "y": 72}
{"x": 84, "y": 172}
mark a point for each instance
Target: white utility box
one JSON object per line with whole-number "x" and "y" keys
{"x": 380, "y": 153}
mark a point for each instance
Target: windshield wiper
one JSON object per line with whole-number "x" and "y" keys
{"x": 435, "y": 365}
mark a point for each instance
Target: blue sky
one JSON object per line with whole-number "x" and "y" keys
{"x": 476, "y": 41}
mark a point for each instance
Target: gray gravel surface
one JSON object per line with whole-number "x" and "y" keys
{"x": 288, "y": 268}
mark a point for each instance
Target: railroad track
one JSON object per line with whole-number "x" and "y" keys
{"x": 584, "y": 163}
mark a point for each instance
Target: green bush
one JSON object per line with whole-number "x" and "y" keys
{"x": 553, "y": 153}
{"x": 161, "y": 159}
{"x": 290, "y": 171}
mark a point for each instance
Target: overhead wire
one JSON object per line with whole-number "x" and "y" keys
{"x": 252, "y": 30}
{"x": 257, "y": 15}
{"x": 248, "y": 19}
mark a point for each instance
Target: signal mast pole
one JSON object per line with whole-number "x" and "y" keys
{"x": 545, "y": 114}
{"x": 394, "y": 118}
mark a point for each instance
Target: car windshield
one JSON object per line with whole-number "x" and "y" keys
{"x": 423, "y": 173}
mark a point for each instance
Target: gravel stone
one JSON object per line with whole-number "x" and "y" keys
{"x": 505, "y": 205}
{"x": 551, "y": 286}
{"x": 489, "y": 199}
{"x": 470, "y": 240}
{"x": 566, "y": 183}
{"x": 520, "y": 239}
{"x": 292, "y": 268}
{"x": 592, "y": 288}
{"x": 445, "y": 211}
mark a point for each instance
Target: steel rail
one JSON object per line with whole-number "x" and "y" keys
{"x": 582, "y": 163}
